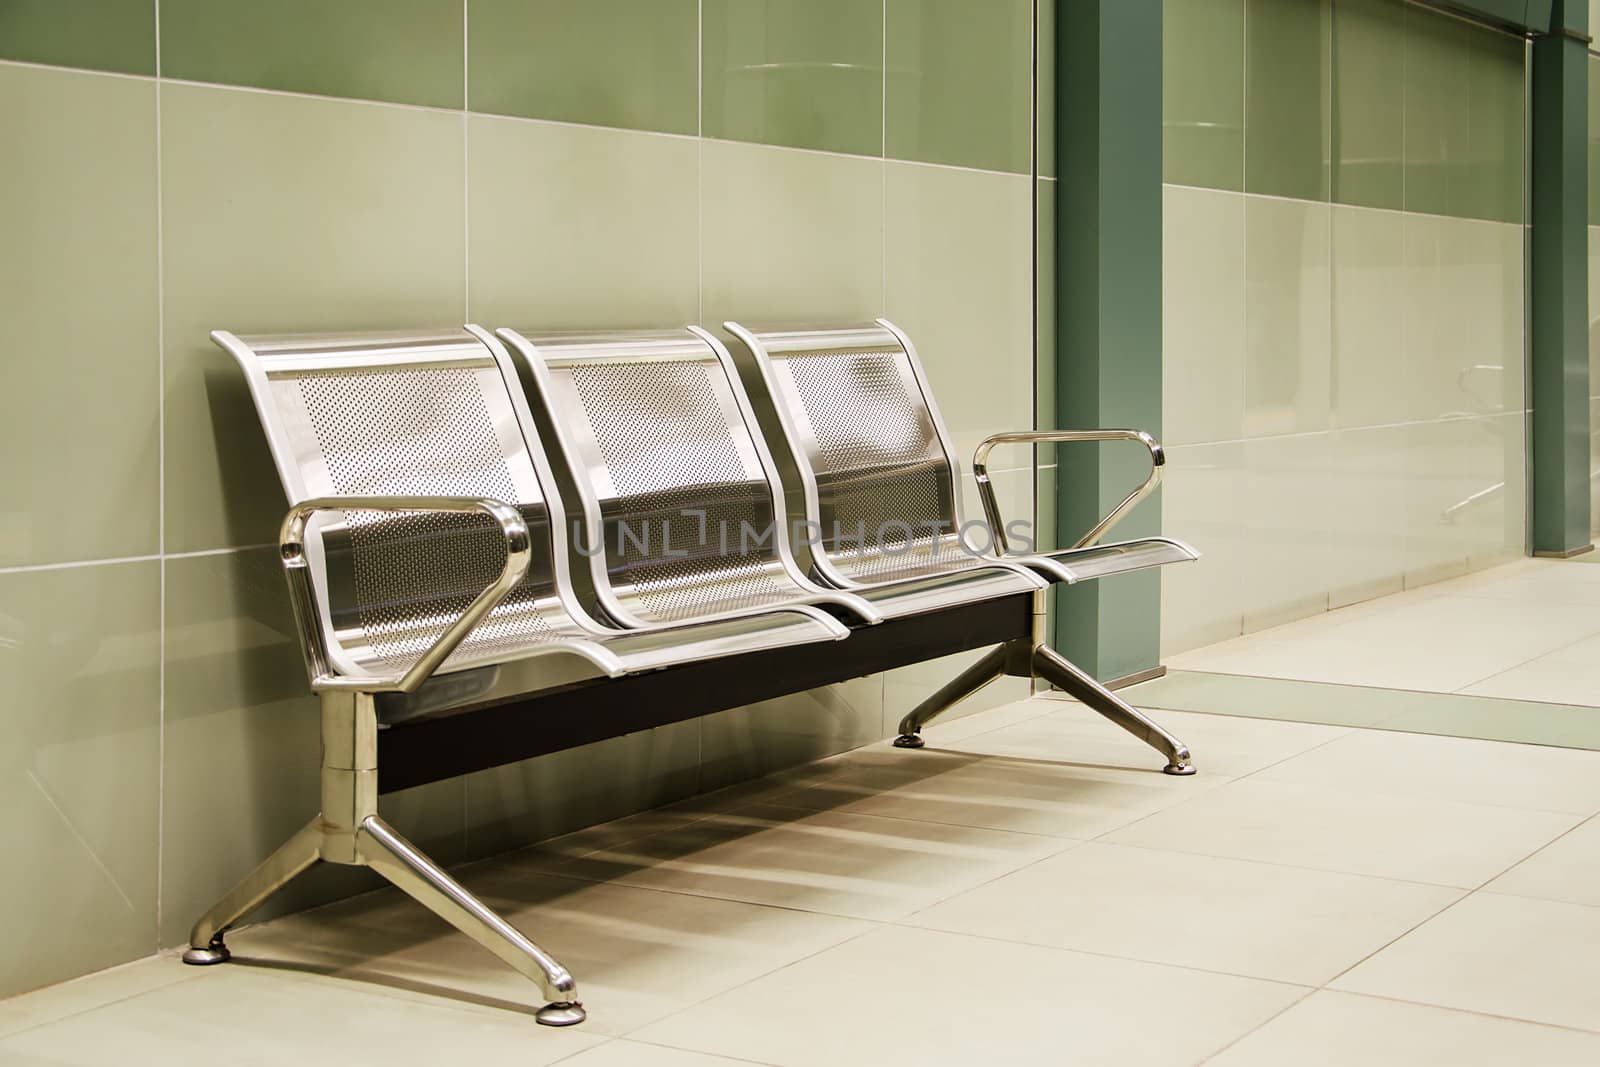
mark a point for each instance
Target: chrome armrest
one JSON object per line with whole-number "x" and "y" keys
{"x": 991, "y": 509}
{"x": 302, "y": 595}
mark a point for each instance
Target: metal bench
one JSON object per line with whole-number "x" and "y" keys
{"x": 870, "y": 449}
{"x": 466, "y": 599}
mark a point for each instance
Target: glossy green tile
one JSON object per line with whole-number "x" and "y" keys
{"x": 961, "y": 290}
{"x": 744, "y": 743}
{"x": 579, "y": 228}
{"x": 243, "y": 745}
{"x": 1464, "y": 119}
{"x": 80, "y": 770}
{"x": 1447, "y": 714}
{"x": 960, "y": 82}
{"x": 805, "y": 73}
{"x": 629, "y": 63}
{"x": 1368, "y": 136}
{"x": 118, "y": 35}
{"x": 1202, "y": 108}
{"x": 1287, "y": 316}
{"x": 790, "y": 236}
{"x": 285, "y": 214}
{"x": 407, "y": 51}
{"x": 520, "y": 803}
{"x": 1044, "y": 42}
{"x": 78, "y": 300}
{"x": 1287, "y": 97}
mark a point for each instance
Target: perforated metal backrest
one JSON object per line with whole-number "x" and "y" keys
{"x": 679, "y": 514}
{"x": 877, "y": 468}
{"x": 379, "y": 415}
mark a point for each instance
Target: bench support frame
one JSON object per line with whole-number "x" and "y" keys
{"x": 350, "y": 831}
{"x": 1034, "y": 659}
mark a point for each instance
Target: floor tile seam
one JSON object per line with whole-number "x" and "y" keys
{"x": 1524, "y": 663}
{"x": 93, "y": 1008}
{"x": 1465, "y": 1011}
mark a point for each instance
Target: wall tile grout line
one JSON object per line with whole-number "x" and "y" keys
{"x": 161, "y": 503}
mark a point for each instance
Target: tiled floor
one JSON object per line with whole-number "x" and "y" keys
{"x": 1028, "y": 890}
{"x": 1527, "y": 630}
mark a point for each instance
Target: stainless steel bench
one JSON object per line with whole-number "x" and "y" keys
{"x": 871, "y": 452}
{"x": 491, "y": 557}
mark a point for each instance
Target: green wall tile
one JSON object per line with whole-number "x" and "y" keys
{"x": 117, "y": 35}
{"x": 1287, "y": 90}
{"x": 629, "y": 63}
{"x": 964, "y": 295}
{"x": 960, "y": 79}
{"x": 78, "y": 308}
{"x": 408, "y": 51}
{"x": 1464, "y": 119}
{"x": 804, "y": 73}
{"x": 281, "y": 214}
{"x": 790, "y": 236}
{"x": 80, "y": 770}
{"x": 1202, "y": 112}
{"x": 1368, "y": 137}
{"x": 243, "y": 745}
{"x": 578, "y": 228}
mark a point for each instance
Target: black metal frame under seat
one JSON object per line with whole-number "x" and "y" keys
{"x": 428, "y": 750}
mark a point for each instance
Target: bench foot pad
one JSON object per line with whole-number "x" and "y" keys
{"x": 909, "y": 741}
{"x": 1184, "y": 768}
{"x": 561, "y": 1013}
{"x": 214, "y": 953}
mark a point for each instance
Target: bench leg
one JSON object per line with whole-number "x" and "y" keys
{"x": 278, "y": 870}
{"x": 397, "y": 860}
{"x": 969, "y": 681}
{"x": 1066, "y": 676}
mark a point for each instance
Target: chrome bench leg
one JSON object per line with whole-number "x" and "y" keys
{"x": 969, "y": 681}
{"x": 1066, "y": 676}
{"x": 418, "y": 877}
{"x": 279, "y": 869}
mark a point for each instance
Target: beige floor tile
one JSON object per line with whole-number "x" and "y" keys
{"x": 1340, "y": 1030}
{"x": 948, "y": 731}
{"x": 91, "y": 991}
{"x": 1451, "y": 768}
{"x": 625, "y": 1053}
{"x": 831, "y": 862}
{"x": 1251, "y": 919}
{"x": 1569, "y": 675}
{"x": 1223, "y": 746}
{"x": 1568, "y": 868}
{"x": 905, "y": 996}
{"x": 1405, "y": 838}
{"x": 248, "y": 1016}
{"x": 1499, "y": 955}
{"x": 637, "y": 955}
{"x": 1024, "y": 795}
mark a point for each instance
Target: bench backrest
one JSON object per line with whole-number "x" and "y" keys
{"x": 390, "y": 414}
{"x": 678, "y": 492}
{"x": 877, "y": 469}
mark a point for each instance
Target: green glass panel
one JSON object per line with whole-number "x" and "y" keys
{"x": 1594, "y": 141}
{"x": 960, "y": 82}
{"x": 627, "y": 63}
{"x": 1288, "y": 86}
{"x": 804, "y": 73}
{"x": 117, "y": 35}
{"x": 1202, "y": 108}
{"x": 1463, "y": 119}
{"x": 1368, "y": 125}
{"x": 1044, "y": 45}
{"x": 407, "y": 51}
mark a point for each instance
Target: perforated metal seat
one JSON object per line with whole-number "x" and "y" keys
{"x": 678, "y": 493}
{"x": 865, "y": 433}
{"x": 367, "y": 429}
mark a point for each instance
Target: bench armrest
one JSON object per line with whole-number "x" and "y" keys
{"x": 292, "y": 552}
{"x": 991, "y": 509}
